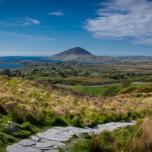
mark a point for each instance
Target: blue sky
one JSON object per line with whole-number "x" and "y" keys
{"x": 104, "y": 27}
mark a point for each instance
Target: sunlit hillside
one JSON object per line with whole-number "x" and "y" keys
{"x": 29, "y": 106}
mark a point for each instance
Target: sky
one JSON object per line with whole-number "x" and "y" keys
{"x": 103, "y": 27}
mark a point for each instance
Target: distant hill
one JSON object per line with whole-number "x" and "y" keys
{"x": 75, "y": 53}
{"x": 82, "y": 55}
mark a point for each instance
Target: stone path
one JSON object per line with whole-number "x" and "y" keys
{"x": 55, "y": 138}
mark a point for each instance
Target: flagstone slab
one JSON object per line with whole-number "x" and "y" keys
{"x": 55, "y": 138}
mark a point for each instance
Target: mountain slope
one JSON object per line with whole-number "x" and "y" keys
{"x": 73, "y": 54}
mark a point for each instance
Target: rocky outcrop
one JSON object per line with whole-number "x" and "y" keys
{"x": 55, "y": 138}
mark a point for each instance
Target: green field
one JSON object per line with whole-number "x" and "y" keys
{"x": 105, "y": 90}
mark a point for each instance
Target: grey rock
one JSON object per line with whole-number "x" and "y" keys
{"x": 113, "y": 125}
{"x": 35, "y": 138}
{"x": 12, "y": 126}
{"x": 60, "y": 136}
{"x": 27, "y": 143}
{"x": 53, "y": 150}
{"x": 63, "y": 134}
{"x": 48, "y": 145}
{"x": 20, "y": 148}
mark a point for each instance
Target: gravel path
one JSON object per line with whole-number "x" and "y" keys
{"x": 55, "y": 138}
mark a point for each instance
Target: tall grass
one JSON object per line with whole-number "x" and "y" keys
{"x": 142, "y": 141}
{"x": 103, "y": 143}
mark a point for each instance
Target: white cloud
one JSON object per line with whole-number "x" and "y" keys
{"x": 56, "y": 13}
{"x": 28, "y": 21}
{"x": 122, "y": 19}
{"x": 15, "y": 22}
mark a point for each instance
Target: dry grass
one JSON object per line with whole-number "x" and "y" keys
{"x": 142, "y": 142}
{"x": 103, "y": 142}
{"x": 33, "y": 97}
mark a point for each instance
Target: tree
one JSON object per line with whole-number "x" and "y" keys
{"x": 7, "y": 72}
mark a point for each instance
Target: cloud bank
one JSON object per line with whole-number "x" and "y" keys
{"x": 123, "y": 19}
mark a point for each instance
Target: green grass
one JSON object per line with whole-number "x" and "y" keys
{"x": 80, "y": 145}
{"x": 104, "y": 90}
{"x": 90, "y": 90}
